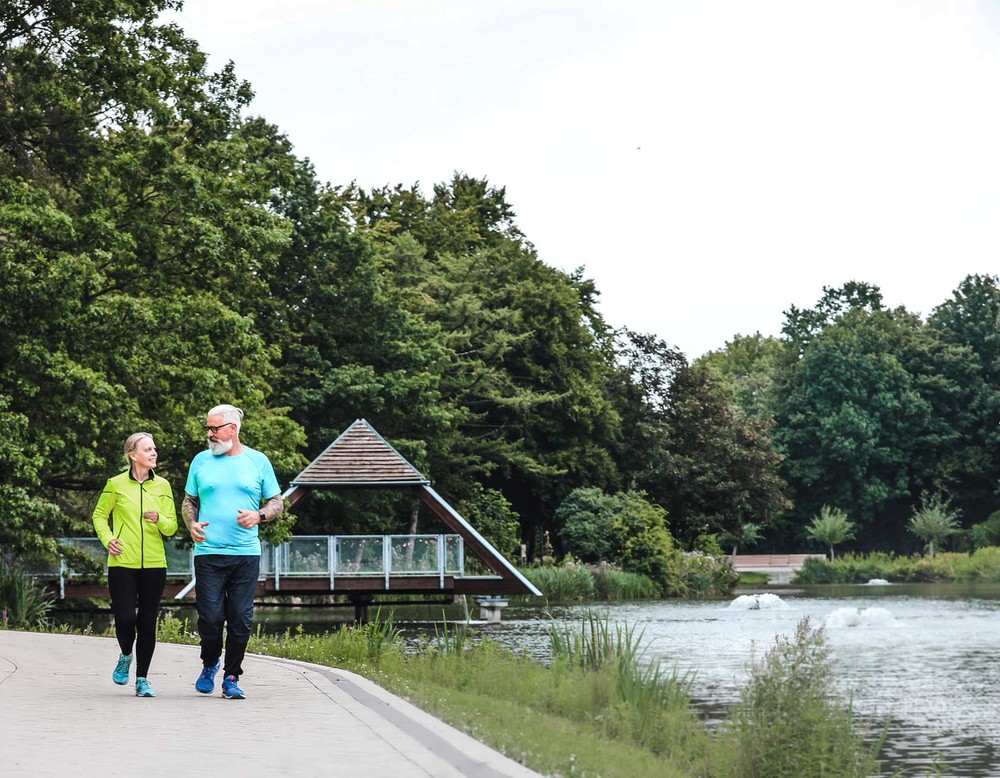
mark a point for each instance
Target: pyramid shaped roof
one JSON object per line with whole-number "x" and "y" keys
{"x": 360, "y": 457}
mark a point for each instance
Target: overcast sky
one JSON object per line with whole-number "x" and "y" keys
{"x": 708, "y": 162}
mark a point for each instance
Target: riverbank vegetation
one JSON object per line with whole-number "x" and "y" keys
{"x": 599, "y": 708}
{"x": 982, "y": 565}
{"x": 692, "y": 574}
{"x": 23, "y": 604}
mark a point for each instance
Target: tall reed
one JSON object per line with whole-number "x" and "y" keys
{"x": 453, "y": 641}
{"x": 23, "y": 603}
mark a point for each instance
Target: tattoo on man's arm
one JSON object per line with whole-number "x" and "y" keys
{"x": 273, "y": 507}
{"x": 189, "y": 507}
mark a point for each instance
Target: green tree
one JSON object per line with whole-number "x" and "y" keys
{"x": 134, "y": 223}
{"x": 986, "y": 533}
{"x": 749, "y": 367}
{"x": 830, "y": 526}
{"x": 527, "y": 356}
{"x": 803, "y": 324}
{"x": 966, "y": 388}
{"x": 587, "y": 519}
{"x": 639, "y": 390}
{"x": 746, "y": 535}
{"x": 934, "y": 521}
{"x": 720, "y": 470}
{"x": 851, "y": 419}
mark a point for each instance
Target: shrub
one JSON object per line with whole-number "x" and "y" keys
{"x": 643, "y": 544}
{"x": 986, "y": 533}
{"x": 789, "y": 723}
{"x": 492, "y": 515}
{"x": 587, "y": 516}
{"x": 23, "y": 603}
{"x": 566, "y": 583}
{"x": 703, "y": 575}
{"x": 614, "y": 585}
{"x": 982, "y": 565}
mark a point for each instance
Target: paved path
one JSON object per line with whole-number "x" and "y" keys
{"x": 61, "y": 715}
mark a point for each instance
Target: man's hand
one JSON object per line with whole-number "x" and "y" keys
{"x": 197, "y": 530}
{"x": 248, "y": 519}
{"x": 115, "y": 547}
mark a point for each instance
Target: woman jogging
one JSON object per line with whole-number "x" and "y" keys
{"x": 133, "y": 514}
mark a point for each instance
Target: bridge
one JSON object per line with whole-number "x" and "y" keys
{"x": 778, "y": 567}
{"x": 359, "y": 566}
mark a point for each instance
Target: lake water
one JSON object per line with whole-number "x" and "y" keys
{"x": 924, "y": 657}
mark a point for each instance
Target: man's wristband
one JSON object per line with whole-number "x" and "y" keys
{"x": 262, "y": 517}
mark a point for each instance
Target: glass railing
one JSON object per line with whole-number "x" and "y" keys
{"x": 309, "y": 556}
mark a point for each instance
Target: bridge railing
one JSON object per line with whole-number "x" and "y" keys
{"x": 310, "y": 556}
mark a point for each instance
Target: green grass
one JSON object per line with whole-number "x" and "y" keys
{"x": 753, "y": 579}
{"x": 598, "y": 709}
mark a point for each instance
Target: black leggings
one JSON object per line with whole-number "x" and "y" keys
{"x": 135, "y": 603}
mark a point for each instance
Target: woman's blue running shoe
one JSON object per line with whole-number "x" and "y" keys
{"x": 143, "y": 689}
{"x": 120, "y": 675}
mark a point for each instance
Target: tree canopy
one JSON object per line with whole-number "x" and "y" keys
{"x": 161, "y": 251}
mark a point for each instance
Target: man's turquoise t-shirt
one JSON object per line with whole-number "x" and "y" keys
{"x": 224, "y": 485}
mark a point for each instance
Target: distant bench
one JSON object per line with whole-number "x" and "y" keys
{"x": 763, "y": 561}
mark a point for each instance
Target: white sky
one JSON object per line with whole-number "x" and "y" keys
{"x": 708, "y": 162}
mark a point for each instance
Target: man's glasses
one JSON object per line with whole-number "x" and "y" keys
{"x": 215, "y": 430}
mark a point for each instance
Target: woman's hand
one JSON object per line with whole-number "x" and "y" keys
{"x": 115, "y": 547}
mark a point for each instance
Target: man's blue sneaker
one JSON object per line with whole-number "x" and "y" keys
{"x": 206, "y": 681}
{"x": 120, "y": 675}
{"x": 231, "y": 690}
{"x": 143, "y": 689}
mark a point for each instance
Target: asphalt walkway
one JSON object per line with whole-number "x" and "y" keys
{"x": 61, "y": 715}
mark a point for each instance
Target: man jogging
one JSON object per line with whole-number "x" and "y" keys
{"x": 231, "y": 490}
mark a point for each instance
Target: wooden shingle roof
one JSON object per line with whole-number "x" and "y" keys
{"x": 360, "y": 457}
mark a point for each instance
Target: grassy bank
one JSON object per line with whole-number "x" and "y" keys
{"x": 598, "y": 709}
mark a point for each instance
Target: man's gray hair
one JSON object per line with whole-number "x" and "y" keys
{"x": 230, "y": 415}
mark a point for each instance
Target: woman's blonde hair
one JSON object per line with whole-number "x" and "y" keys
{"x": 132, "y": 443}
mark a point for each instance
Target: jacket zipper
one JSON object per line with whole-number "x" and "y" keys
{"x": 142, "y": 532}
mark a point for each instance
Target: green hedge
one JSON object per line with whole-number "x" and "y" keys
{"x": 982, "y": 565}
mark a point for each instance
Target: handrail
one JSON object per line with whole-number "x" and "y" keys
{"x": 310, "y": 556}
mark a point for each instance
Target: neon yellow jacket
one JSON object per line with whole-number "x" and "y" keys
{"x": 118, "y": 514}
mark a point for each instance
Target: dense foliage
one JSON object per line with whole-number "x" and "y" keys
{"x": 161, "y": 251}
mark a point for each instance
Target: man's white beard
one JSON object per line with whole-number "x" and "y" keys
{"x": 218, "y": 447}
